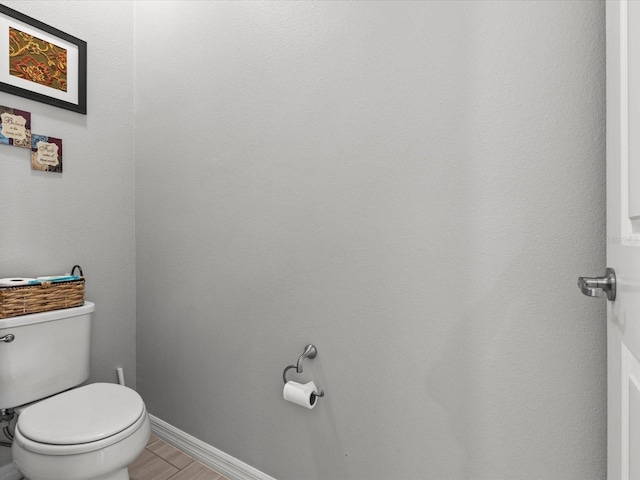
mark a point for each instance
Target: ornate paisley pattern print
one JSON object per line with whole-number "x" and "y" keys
{"x": 36, "y": 60}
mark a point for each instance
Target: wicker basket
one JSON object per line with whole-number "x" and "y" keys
{"x": 22, "y": 300}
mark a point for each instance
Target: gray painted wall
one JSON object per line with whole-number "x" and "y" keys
{"x": 50, "y": 221}
{"x": 394, "y": 182}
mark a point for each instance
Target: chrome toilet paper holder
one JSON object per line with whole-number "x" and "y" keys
{"x": 310, "y": 351}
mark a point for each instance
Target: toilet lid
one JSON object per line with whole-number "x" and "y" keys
{"x": 82, "y": 415}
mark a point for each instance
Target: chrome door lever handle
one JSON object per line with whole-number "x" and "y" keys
{"x": 590, "y": 286}
{"x": 10, "y": 337}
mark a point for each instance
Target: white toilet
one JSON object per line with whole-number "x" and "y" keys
{"x": 91, "y": 432}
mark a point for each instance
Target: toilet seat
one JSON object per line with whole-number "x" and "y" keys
{"x": 81, "y": 420}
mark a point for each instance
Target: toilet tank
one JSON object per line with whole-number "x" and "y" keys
{"x": 49, "y": 354}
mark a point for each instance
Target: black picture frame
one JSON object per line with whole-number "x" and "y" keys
{"x": 76, "y": 100}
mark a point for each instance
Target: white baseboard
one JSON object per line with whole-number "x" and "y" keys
{"x": 221, "y": 462}
{"x": 9, "y": 472}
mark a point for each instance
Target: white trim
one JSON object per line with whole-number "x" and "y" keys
{"x": 630, "y": 367}
{"x": 625, "y": 363}
{"x": 9, "y": 472}
{"x": 229, "y": 466}
{"x": 626, "y": 234}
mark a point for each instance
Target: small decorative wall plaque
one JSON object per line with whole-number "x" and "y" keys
{"x": 15, "y": 127}
{"x": 46, "y": 153}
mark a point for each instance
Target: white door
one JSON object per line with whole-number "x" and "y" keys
{"x": 623, "y": 237}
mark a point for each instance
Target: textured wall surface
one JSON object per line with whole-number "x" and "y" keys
{"x": 85, "y": 215}
{"x": 396, "y": 183}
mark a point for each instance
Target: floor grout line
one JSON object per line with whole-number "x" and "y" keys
{"x": 158, "y": 442}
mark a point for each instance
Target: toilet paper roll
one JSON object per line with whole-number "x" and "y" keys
{"x": 14, "y": 281}
{"x": 301, "y": 394}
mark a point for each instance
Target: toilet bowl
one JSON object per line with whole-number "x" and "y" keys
{"x": 89, "y": 433}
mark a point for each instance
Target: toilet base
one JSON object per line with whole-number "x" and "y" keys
{"x": 119, "y": 475}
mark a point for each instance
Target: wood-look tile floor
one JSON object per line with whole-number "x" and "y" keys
{"x": 161, "y": 461}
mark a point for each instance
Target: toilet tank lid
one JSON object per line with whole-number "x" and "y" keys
{"x": 23, "y": 320}
{"x": 82, "y": 415}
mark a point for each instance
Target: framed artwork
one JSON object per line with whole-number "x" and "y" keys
{"x": 42, "y": 63}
